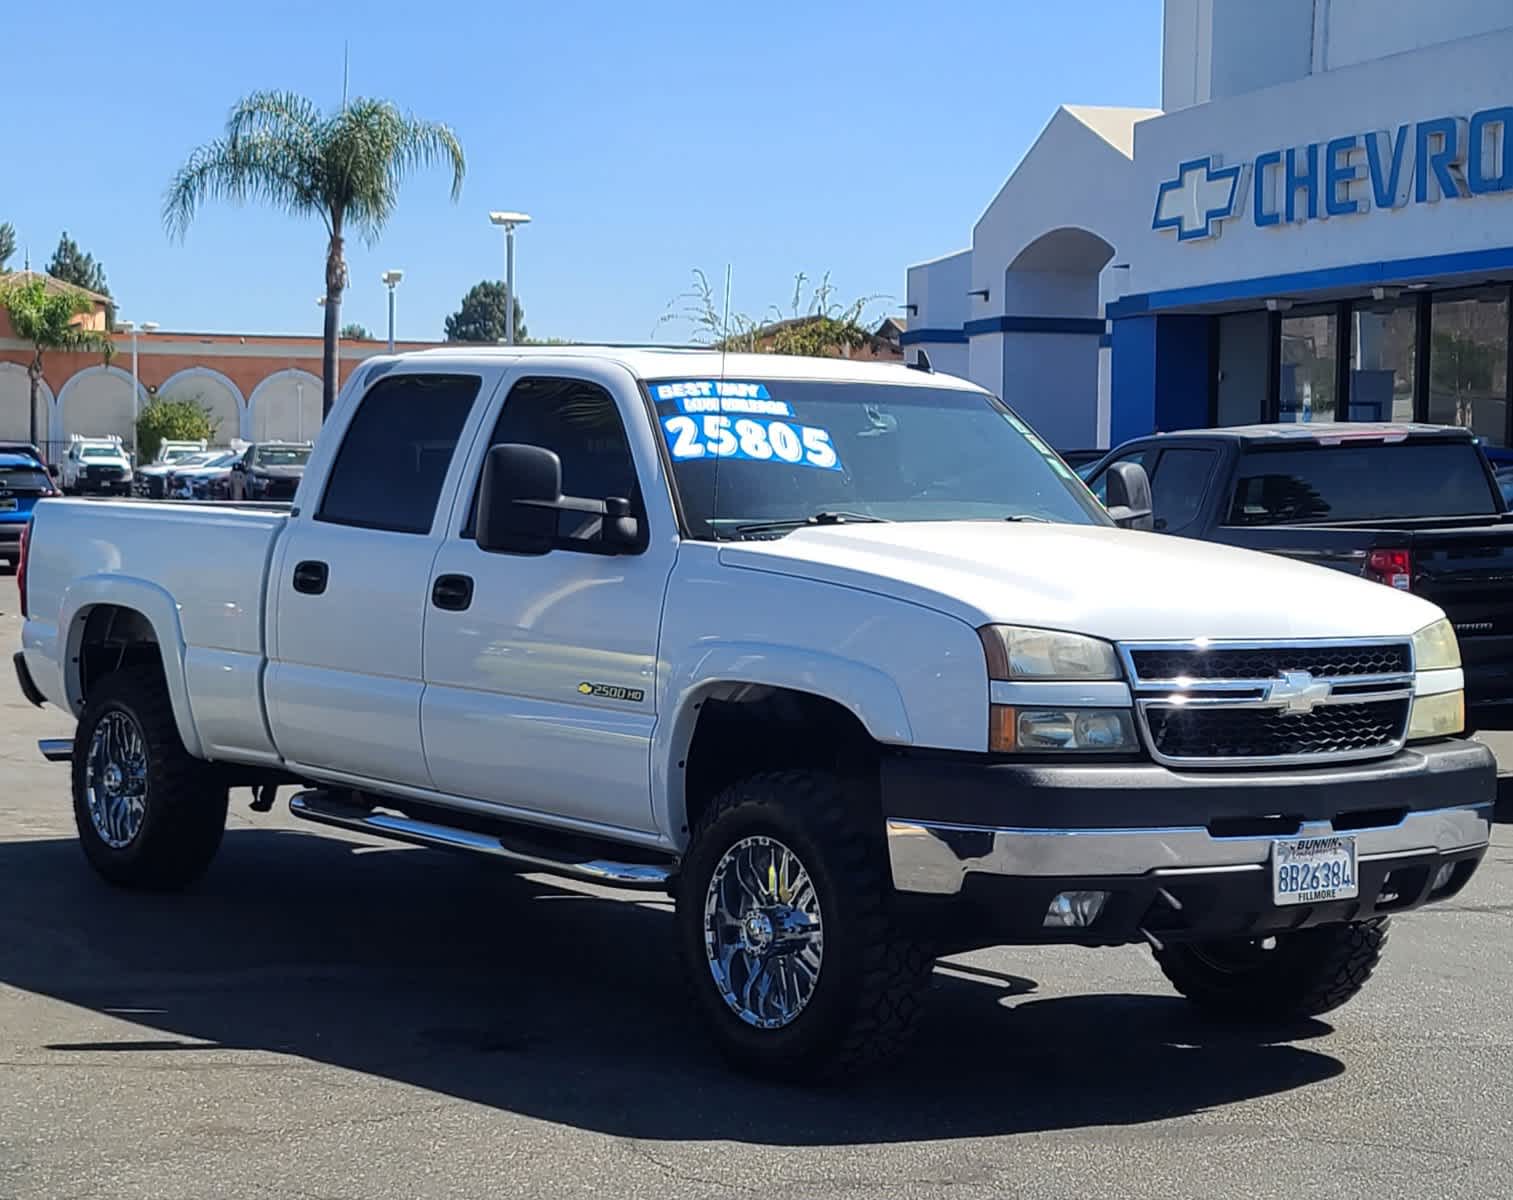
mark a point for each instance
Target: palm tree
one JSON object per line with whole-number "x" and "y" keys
{"x": 345, "y": 168}
{"x": 44, "y": 313}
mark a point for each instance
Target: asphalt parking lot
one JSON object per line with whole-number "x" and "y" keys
{"x": 325, "y": 1017}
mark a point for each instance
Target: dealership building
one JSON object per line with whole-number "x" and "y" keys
{"x": 1316, "y": 225}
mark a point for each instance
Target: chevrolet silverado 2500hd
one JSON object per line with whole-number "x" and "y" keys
{"x": 842, "y": 655}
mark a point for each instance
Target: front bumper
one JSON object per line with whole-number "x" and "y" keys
{"x": 1181, "y": 853}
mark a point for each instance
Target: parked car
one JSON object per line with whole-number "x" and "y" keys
{"x": 23, "y": 481}
{"x": 269, "y": 471}
{"x": 1416, "y": 507}
{"x": 194, "y": 480}
{"x": 97, "y": 465}
{"x": 150, "y": 480}
{"x": 839, "y": 654}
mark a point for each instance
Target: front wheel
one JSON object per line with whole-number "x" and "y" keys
{"x": 1285, "y": 978}
{"x": 786, "y": 937}
{"x": 149, "y": 815}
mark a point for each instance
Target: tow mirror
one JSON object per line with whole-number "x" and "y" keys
{"x": 1128, "y": 489}
{"x": 517, "y": 499}
{"x": 520, "y": 501}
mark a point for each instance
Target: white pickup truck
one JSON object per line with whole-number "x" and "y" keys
{"x": 841, "y": 655}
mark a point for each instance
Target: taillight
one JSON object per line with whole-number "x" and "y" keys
{"x": 21, "y": 565}
{"x": 1392, "y": 567}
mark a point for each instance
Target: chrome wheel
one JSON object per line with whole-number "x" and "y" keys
{"x": 115, "y": 780}
{"x": 762, "y": 932}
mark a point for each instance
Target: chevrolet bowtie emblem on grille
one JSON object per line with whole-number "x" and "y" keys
{"x": 1298, "y": 692}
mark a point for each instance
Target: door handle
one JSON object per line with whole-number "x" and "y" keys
{"x": 452, "y": 592}
{"x": 310, "y": 577}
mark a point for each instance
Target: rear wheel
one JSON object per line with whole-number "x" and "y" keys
{"x": 149, "y": 815}
{"x": 785, "y": 933}
{"x": 1288, "y": 977}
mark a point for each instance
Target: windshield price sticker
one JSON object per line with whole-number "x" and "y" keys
{"x": 750, "y": 438}
{"x": 721, "y": 395}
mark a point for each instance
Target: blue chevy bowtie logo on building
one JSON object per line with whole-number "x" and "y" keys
{"x": 1202, "y": 195}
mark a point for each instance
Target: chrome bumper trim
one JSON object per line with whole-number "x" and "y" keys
{"x": 936, "y": 858}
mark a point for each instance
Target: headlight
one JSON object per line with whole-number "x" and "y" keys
{"x": 1014, "y": 652}
{"x": 1435, "y": 647}
{"x": 1028, "y": 730}
{"x": 1440, "y": 715}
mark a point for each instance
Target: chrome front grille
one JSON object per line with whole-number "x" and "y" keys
{"x": 1227, "y": 704}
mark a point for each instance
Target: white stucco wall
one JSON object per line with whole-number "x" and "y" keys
{"x": 96, "y": 402}
{"x": 1362, "y": 30}
{"x": 285, "y": 407}
{"x": 15, "y": 392}
{"x": 213, "y": 392}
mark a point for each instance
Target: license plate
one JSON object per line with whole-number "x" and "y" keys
{"x": 1313, "y": 870}
{"x": 8, "y": 504}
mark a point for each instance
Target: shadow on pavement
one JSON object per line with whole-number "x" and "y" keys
{"x": 447, "y": 974}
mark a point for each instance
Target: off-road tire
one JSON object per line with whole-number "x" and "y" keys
{"x": 185, "y": 811}
{"x": 1310, "y": 972}
{"x": 870, "y": 990}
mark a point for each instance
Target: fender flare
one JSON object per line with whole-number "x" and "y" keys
{"x": 160, "y": 611}
{"x": 866, "y": 692}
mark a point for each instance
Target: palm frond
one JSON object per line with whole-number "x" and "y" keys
{"x": 287, "y": 115}
{"x": 255, "y": 166}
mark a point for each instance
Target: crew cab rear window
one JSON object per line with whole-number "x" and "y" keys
{"x": 1360, "y": 483}
{"x": 394, "y": 457}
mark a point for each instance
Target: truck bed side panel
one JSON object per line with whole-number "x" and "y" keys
{"x": 200, "y": 570}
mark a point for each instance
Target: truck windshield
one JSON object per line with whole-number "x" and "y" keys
{"x": 750, "y": 458}
{"x": 101, "y": 452}
{"x": 1361, "y": 483}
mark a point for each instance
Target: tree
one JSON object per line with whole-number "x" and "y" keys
{"x": 45, "y": 316}
{"x": 345, "y": 168}
{"x": 7, "y": 242}
{"x": 72, "y": 265}
{"x": 356, "y": 332}
{"x": 481, "y": 317}
{"x": 821, "y": 328}
{"x": 179, "y": 419}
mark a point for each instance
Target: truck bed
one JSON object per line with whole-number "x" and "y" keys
{"x": 197, "y": 570}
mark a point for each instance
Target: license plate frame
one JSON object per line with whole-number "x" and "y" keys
{"x": 1303, "y": 870}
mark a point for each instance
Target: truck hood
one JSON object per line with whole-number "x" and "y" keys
{"x": 1109, "y": 583}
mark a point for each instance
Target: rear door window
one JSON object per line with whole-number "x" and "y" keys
{"x": 395, "y": 454}
{"x": 1360, "y": 483}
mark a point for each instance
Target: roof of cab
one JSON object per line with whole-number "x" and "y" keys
{"x": 662, "y": 362}
{"x": 10, "y": 458}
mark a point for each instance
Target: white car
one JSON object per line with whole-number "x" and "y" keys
{"x": 842, "y": 655}
{"x": 95, "y": 465}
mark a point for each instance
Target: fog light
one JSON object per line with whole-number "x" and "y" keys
{"x": 1442, "y": 877}
{"x": 1075, "y": 910}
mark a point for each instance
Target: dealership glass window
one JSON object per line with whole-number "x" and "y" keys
{"x": 1306, "y": 376}
{"x": 1468, "y": 361}
{"x": 1383, "y": 340}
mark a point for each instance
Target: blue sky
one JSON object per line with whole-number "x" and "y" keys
{"x": 646, "y": 139}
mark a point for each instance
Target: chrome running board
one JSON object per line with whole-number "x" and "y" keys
{"x": 325, "y": 809}
{"x": 57, "y": 749}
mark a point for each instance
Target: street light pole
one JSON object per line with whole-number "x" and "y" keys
{"x": 509, "y": 220}
{"x": 392, "y": 278}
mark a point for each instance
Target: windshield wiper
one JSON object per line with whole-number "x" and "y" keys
{"x": 824, "y": 517}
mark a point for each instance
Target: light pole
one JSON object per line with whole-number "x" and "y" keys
{"x": 131, "y": 328}
{"x": 509, "y": 220}
{"x": 391, "y": 279}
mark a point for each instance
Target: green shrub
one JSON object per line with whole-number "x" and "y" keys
{"x": 164, "y": 420}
